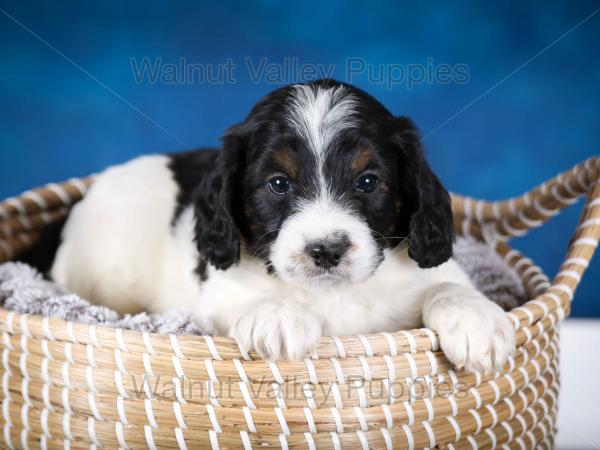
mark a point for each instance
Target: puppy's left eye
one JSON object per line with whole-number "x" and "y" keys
{"x": 280, "y": 185}
{"x": 367, "y": 183}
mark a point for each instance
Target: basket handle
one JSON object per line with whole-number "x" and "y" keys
{"x": 500, "y": 221}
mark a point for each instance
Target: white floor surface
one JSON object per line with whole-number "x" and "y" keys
{"x": 579, "y": 405}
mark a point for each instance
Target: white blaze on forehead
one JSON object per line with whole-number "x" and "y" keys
{"x": 319, "y": 114}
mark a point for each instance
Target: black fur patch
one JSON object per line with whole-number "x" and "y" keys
{"x": 188, "y": 169}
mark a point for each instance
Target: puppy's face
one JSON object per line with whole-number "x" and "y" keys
{"x": 319, "y": 180}
{"x": 321, "y": 196}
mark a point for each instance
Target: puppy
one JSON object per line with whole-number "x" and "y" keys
{"x": 320, "y": 216}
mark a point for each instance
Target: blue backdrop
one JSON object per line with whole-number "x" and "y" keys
{"x": 506, "y": 93}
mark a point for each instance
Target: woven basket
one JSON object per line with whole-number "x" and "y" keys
{"x": 71, "y": 385}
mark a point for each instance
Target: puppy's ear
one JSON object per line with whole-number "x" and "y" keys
{"x": 427, "y": 214}
{"x": 215, "y": 198}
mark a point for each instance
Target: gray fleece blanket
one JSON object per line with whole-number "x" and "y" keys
{"x": 25, "y": 291}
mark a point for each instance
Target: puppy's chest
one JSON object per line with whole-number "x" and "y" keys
{"x": 378, "y": 305}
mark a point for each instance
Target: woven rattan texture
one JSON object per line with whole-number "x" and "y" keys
{"x": 70, "y": 385}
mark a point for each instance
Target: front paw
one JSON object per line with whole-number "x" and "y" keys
{"x": 475, "y": 334}
{"x": 277, "y": 331}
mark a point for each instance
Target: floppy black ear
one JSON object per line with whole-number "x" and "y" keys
{"x": 428, "y": 220}
{"x": 217, "y": 233}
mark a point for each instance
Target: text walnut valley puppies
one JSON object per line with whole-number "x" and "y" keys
{"x": 292, "y": 231}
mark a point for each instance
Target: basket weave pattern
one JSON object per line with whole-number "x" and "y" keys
{"x": 71, "y": 385}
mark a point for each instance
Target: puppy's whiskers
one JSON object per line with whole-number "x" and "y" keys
{"x": 267, "y": 233}
{"x": 258, "y": 252}
{"x": 387, "y": 239}
{"x": 404, "y": 244}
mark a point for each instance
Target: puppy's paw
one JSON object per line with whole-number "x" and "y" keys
{"x": 475, "y": 334}
{"x": 277, "y": 331}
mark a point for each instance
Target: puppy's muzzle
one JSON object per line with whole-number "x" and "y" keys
{"x": 327, "y": 253}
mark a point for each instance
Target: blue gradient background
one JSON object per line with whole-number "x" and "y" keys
{"x": 57, "y": 122}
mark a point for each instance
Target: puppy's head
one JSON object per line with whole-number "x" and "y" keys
{"x": 317, "y": 181}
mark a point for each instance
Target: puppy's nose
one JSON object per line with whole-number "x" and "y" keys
{"x": 328, "y": 253}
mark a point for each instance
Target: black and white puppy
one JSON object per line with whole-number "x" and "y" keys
{"x": 320, "y": 216}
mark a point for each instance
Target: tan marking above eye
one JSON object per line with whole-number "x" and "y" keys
{"x": 362, "y": 159}
{"x": 398, "y": 205}
{"x": 285, "y": 161}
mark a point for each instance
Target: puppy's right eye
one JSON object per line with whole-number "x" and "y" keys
{"x": 280, "y": 185}
{"x": 367, "y": 183}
